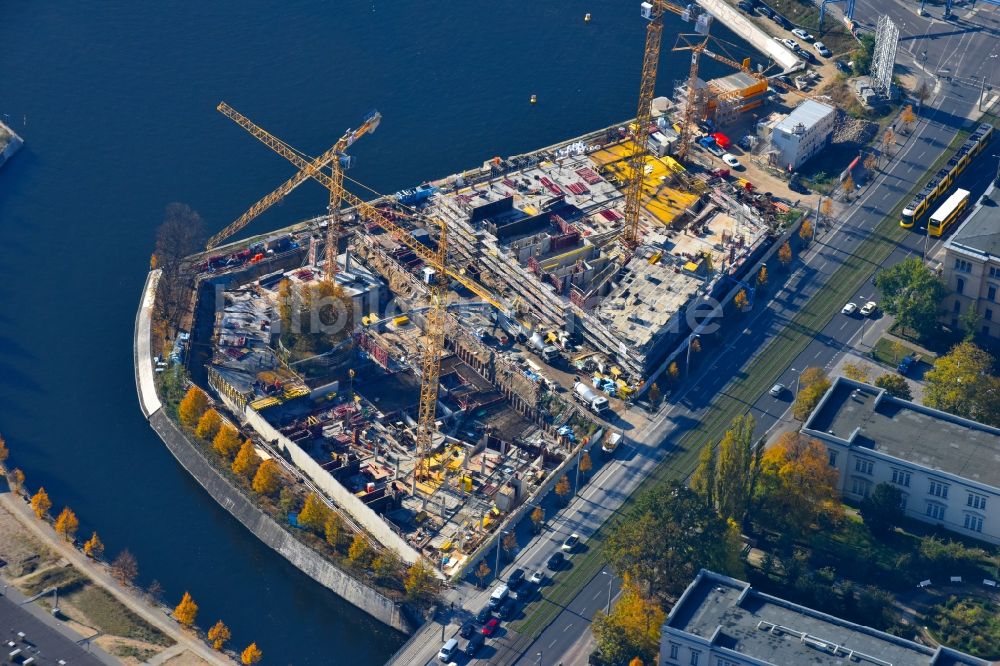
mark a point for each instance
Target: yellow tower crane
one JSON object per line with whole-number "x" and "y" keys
{"x": 653, "y": 12}
{"x": 337, "y": 161}
{"x": 434, "y": 332}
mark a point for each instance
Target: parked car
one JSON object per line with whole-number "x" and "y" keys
{"x": 731, "y": 160}
{"x": 869, "y": 308}
{"x": 468, "y": 628}
{"x": 765, "y": 11}
{"x": 777, "y": 390}
{"x": 448, "y": 650}
{"x": 906, "y": 364}
{"x": 799, "y": 32}
{"x": 781, "y": 20}
{"x": 538, "y": 577}
{"x": 570, "y": 543}
{"x": 745, "y": 6}
{"x": 790, "y": 43}
{"x": 484, "y": 614}
{"x": 822, "y": 50}
{"x": 516, "y": 578}
{"x": 475, "y": 642}
{"x": 795, "y": 185}
{"x": 507, "y": 609}
{"x": 555, "y": 561}
{"x": 843, "y": 66}
{"x": 849, "y": 309}
{"x": 522, "y": 593}
{"x": 490, "y": 627}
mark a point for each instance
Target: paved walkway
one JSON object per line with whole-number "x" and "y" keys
{"x": 99, "y": 574}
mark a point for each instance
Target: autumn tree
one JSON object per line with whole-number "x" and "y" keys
{"x": 155, "y": 591}
{"x": 17, "y": 481}
{"x": 4, "y": 452}
{"x": 267, "y": 480}
{"x": 912, "y": 293}
{"x": 208, "y": 425}
{"x": 856, "y": 371}
{"x": 562, "y": 488}
{"x": 762, "y": 276}
{"x": 538, "y": 518}
{"x": 40, "y": 504}
{"x": 797, "y": 486}
{"x": 882, "y": 511}
{"x": 888, "y": 140}
{"x": 509, "y": 543}
{"x": 848, "y": 185}
{"x": 67, "y": 524}
{"x": 635, "y": 662}
{"x": 826, "y": 208}
{"x": 93, "y": 547}
{"x": 806, "y": 232}
{"x": 907, "y": 116}
{"x": 632, "y": 631}
{"x": 813, "y": 383}
{"x": 186, "y": 611}
{"x": 871, "y": 162}
{"x": 894, "y": 385}
{"x": 386, "y": 566}
{"x": 703, "y": 478}
{"x": 180, "y": 234}
{"x": 246, "y": 462}
{"x": 785, "y": 254}
{"x": 251, "y": 655}
{"x": 125, "y": 568}
{"x": 192, "y": 407}
{"x": 586, "y": 464}
{"x": 673, "y": 371}
{"x": 734, "y": 469}
{"x": 670, "y": 535}
{"x": 740, "y": 301}
{"x": 421, "y": 584}
{"x": 333, "y": 530}
{"x": 227, "y": 442}
{"x": 313, "y": 514}
{"x": 961, "y": 383}
{"x": 483, "y": 572}
{"x": 360, "y": 552}
{"x": 218, "y": 635}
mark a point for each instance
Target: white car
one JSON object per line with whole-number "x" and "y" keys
{"x": 777, "y": 390}
{"x": 570, "y": 543}
{"x": 799, "y": 32}
{"x": 869, "y": 308}
{"x": 822, "y": 50}
{"x": 790, "y": 43}
{"x": 731, "y": 160}
{"x": 538, "y": 577}
{"x": 849, "y": 309}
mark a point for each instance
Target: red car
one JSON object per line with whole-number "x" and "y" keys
{"x": 491, "y": 626}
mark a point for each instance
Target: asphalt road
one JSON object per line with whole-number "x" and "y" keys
{"x": 943, "y": 114}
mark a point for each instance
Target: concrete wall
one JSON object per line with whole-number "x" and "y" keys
{"x": 746, "y": 29}
{"x": 235, "y": 502}
{"x": 358, "y": 510}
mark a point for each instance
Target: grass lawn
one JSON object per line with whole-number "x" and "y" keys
{"x": 891, "y": 352}
{"x": 105, "y": 613}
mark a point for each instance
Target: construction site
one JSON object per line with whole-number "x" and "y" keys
{"x": 439, "y": 356}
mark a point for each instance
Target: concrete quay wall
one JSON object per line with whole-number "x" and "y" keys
{"x": 233, "y": 500}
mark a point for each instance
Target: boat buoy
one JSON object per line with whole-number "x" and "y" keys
{"x": 586, "y": 17}
{"x": 534, "y": 98}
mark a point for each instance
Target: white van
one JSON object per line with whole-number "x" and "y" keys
{"x": 500, "y": 593}
{"x": 448, "y": 650}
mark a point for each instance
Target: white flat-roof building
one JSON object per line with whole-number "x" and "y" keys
{"x": 947, "y": 467}
{"x": 802, "y": 133}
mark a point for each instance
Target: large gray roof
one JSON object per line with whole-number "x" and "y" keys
{"x": 981, "y": 229}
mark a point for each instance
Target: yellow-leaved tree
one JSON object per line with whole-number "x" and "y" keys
{"x": 267, "y": 480}
{"x": 632, "y": 630}
{"x": 17, "y": 481}
{"x": 360, "y": 551}
{"x": 421, "y": 584}
{"x": 4, "y": 452}
{"x": 67, "y": 524}
{"x": 208, "y": 425}
{"x": 186, "y": 611}
{"x": 218, "y": 635}
{"x": 333, "y": 529}
{"x": 313, "y": 514}
{"x": 40, "y": 503}
{"x": 94, "y": 547}
{"x": 193, "y": 405}
{"x": 251, "y": 655}
{"x": 227, "y": 441}
{"x": 246, "y": 461}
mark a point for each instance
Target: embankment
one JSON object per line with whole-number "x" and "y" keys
{"x": 233, "y": 500}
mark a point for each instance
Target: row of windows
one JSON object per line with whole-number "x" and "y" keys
{"x": 963, "y": 265}
{"x": 938, "y": 489}
{"x": 695, "y": 654}
{"x": 972, "y": 522}
{"x": 902, "y": 478}
{"x": 863, "y": 466}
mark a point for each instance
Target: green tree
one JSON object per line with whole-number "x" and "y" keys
{"x": 894, "y": 385}
{"x": 813, "y": 383}
{"x": 862, "y": 56}
{"x": 960, "y": 382}
{"x": 670, "y": 535}
{"x": 386, "y": 566}
{"x": 797, "y": 486}
{"x": 703, "y": 479}
{"x": 631, "y": 631}
{"x": 970, "y": 321}
{"x": 734, "y": 469}
{"x": 882, "y": 510}
{"x": 421, "y": 584}
{"x": 911, "y": 293}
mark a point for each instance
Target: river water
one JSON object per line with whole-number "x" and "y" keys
{"x": 116, "y": 101}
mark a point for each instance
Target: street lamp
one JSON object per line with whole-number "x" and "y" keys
{"x": 687, "y": 361}
{"x": 797, "y": 376}
{"x": 996, "y": 180}
{"x": 611, "y": 580}
{"x": 499, "y": 544}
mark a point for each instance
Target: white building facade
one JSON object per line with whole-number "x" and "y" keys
{"x": 802, "y": 133}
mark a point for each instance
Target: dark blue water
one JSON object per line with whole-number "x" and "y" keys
{"x": 116, "y": 101}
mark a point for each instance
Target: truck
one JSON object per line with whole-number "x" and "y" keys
{"x": 549, "y": 353}
{"x": 611, "y": 442}
{"x": 588, "y": 396}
